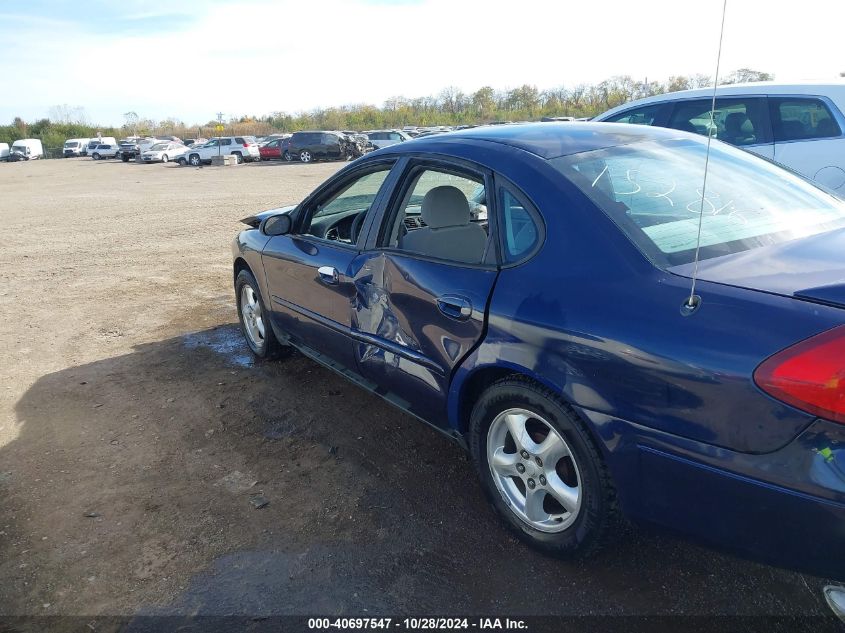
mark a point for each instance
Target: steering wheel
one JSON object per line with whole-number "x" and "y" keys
{"x": 357, "y": 223}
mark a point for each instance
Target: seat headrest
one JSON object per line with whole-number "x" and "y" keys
{"x": 445, "y": 206}
{"x": 734, "y": 121}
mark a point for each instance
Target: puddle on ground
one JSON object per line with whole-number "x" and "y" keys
{"x": 226, "y": 340}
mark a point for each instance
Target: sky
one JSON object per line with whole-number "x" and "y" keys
{"x": 193, "y": 58}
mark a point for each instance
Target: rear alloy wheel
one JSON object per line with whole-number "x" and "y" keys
{"x": 95, "y": 156}
{"x": 239, "y": 156}
{"x": 255, "y": 321}
{"x": 305, "y": 157}
{"x": 164, "y": 158}
{"x": 287, "y": 156}
{"x": 540, "y": 468}
{"x": 194, "y": 159}
{"x": 181, "y": 160}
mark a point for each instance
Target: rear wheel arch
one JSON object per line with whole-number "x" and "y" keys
{"x": 484, "y": 378}
{"x": 474, "y": 386}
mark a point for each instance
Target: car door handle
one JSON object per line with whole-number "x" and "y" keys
{"x": 455, "y": 307}
{"x": 328, "y": 275}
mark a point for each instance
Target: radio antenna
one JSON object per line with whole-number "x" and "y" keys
{"x": 693, "y": 301}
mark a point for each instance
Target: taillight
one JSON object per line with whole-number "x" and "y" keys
{"x": 809, "y": 375}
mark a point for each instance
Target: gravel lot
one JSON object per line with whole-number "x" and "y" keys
{"x": 135, "y": 432}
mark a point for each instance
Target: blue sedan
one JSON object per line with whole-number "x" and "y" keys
{"x": 526, "y": 291}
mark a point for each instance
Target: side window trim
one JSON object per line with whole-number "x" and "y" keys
{"x": 502, "y": 184}
{"x": 401, "y": 190}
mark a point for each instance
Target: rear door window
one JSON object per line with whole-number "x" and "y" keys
{"x": 450, "y": 225}
{"x": 226, "y": 141}
{"x": 795, "y": 119}
{"x": 239, "y": 140}
{"x": 735, "y": 121}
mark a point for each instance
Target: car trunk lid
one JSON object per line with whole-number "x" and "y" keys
{"x": 811, "y": 268}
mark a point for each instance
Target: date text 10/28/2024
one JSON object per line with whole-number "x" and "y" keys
{"x": 430, "y": 624}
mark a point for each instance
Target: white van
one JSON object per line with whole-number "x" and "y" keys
{"x": 800, "y": 125}
{"x": 4, "y": 151}
{"x": 75, "y": 147}
{"x": 27, "y": 149}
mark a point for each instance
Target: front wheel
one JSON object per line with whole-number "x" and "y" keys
{"x": 124, "y": 158}
{"x": 306, "y": 157}
{"x": 541, "y": 469}
{"x": 254, "y": 319}
{"x": 194, "y": 159}
{"x": 95, "y": 156}
{"x": 164, "y": 158}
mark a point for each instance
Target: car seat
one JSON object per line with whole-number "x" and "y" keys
{"x": 449, "y": 233}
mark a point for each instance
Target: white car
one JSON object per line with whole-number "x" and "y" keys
{"x": 799, "y": 125}
{"x": 244, "y": 147}
{"x": 163, "y": 152}
{"x": 385, "y": 138}
{"x": 104, "y": 150}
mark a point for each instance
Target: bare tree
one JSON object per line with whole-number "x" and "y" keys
{"x": 744, "y": 75}
{"x": 67, "y": 114}
{"x": 131, "y": 121}
{"x": 452, "y": 99}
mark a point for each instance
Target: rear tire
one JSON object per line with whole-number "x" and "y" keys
{"x": 95, "y": 156}
{"x": 239, "y": 157}
{"x": 287, "y": 156}
{"x": 560, "y": 499}
{"x": 164, "y": 158}
{"x": 255, "y": 320}
{"x": 181, "y": 161}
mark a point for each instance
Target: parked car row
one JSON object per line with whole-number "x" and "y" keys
{"x": 164, "y": 149}
{"x": 308, "y": 146}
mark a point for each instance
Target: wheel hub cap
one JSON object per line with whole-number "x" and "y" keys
{"x": 252, "y": 317}
{"x": 534, "y": 470}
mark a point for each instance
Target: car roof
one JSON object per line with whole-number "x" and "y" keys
{"x": 829, "y": 88}
{"x": 548, "y": 140}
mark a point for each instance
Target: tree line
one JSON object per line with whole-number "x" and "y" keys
{"x": 450, "y": 107}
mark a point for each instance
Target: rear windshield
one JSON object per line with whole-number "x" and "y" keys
{"x": 652, "y": 191}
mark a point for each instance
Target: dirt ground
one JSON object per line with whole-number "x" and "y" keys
{"x": 136, "y": 436}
